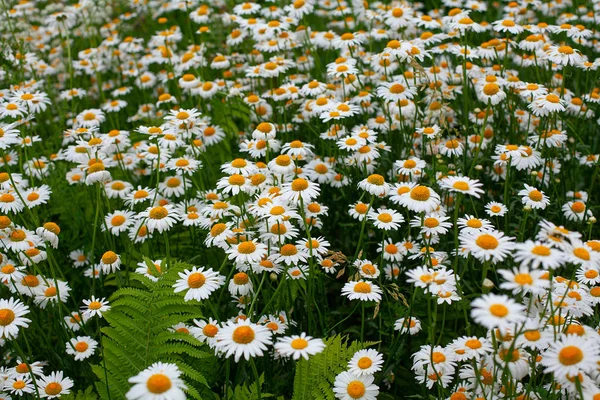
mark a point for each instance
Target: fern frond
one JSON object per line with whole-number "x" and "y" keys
{"x": 138, "y": 334}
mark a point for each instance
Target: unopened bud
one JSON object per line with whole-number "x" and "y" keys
{"x": 592, "y": 220}
{"x": 479, "y": 167}
{"x": 488, "y": 284}
{"x": 273, "y": 276}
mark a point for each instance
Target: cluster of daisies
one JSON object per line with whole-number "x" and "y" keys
{"x": 334, "y": 155}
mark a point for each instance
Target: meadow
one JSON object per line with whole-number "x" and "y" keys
{"x": 308, "y": 199}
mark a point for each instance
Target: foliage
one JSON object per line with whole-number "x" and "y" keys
{"x": 139, "y": 333}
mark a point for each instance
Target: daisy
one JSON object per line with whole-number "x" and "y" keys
{"x": 206, "y": 331}
{"x": 494, "y": 209}
{"x": 365, "y": 362}
{"x": 19, "y": 384}
{"x": 523, "y": 280}
{"x": 386, "y": 219}
{"x": 299, "y": 346}
{"x": 94, "y": 306}
{"x": 12, "y": 314}
{"x": 110, "y": 262}
{"x": 54, "y": 385}
{"x": 240, "y": 284}
{"x": 362, "y": 290}
{"x": 81, "y": 347}
{"x": 243, "y": 338}
{"x": 412, "y": 167}
{"x": 160, "y": 218}
{"x": 570, "y": 355}
{"x": 348, "y": 386}
{"x": 538, "y": 254}
{"x": 497, "y": 311}
{"x": 366, "y": 269}
{"x": 299, "y": 190}
{"x": 533, "y": 198}
{"x": 249, "y": 251}
{"x": 420, "y": 199}
{"x": 375, "y": 184}
{"x": 462, "y": 184}
{"x": 199, "y": 283}
{"x": 487, "y": 245}
{"x": 410, "y": 325}
{"x": 564, "y": 55}
{"x": 432, "y": 224}
{"x": 159, "y": 381}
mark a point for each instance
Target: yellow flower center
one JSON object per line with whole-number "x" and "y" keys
{"x": 6, "y": 316}
{"x": 362, "y": 287}
{"x": 356, "y": 389}
{"x": 420, "y": 193}
{"x": 243, "y": 335}
{"x": 158, "y": 383}
{"x": 196, "y": 280}
{"x": 365, "y": 362}
{"x": 299, "y": 344}
{"x": 499, "y": 310}
{"x": 487, "y": 242}
{"x": 570, "y": 355}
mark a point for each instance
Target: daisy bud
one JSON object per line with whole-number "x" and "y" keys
{"x": 571, "y": 140}
{"x": 478, "y": 167}
{"x": 488, "y": 284}
{"x": 477, "y": 110}
{"x": 557, "y": 180}
{"x": 533, "y": 173}
{"x": 451, "y": 166}
{"x": 527, "y": 208}
{"x": 592, "y": 220}
{"x": 273, "y": 276}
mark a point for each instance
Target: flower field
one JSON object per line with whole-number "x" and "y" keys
{"x": 307, "y": 199}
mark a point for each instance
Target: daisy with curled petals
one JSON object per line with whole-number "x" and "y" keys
{"x": 54, "y": 385}
{"x": 462, "y": 184}
{"x": 544, "y": 105}
{"x": 487, "y": 245}
{"x": 386, "y": 219}
{"x": 571, "y": 355}
{"x": 249, "y": 251}
{"x": 298, "y": 190}
{"x": 420, "y": 199}
{"x": 94, "y": 306}
{"x": 366, "y": 269}
{"x": 299, "y": 346}
{"x": 199, "y": 283}
{"x": 362, "y": 290}
{"x": 410, "y": 325}
{"x": 81, "y": 347}
{"x": 491, "y": 93}
{"x": 497, "y": 311}
{"x": 375, "y": 184}
{"x": 240, "y": 284}
{"x": 243, "y": 338}
{"x": 538, "y": 254}
{"x": 206, "y": 331}
{"x": 160, "y": 381}
{"x": 12, "y": 314}
{"x": 564, "y": 55}
{"x": 365, "y": 362}
{"x": 160, "y": 218}
{"x": 576, "y": 211}
{"x": 523, "y": 280}
{"x": 533, "y": 198}
{"x": 348, "y": 386}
